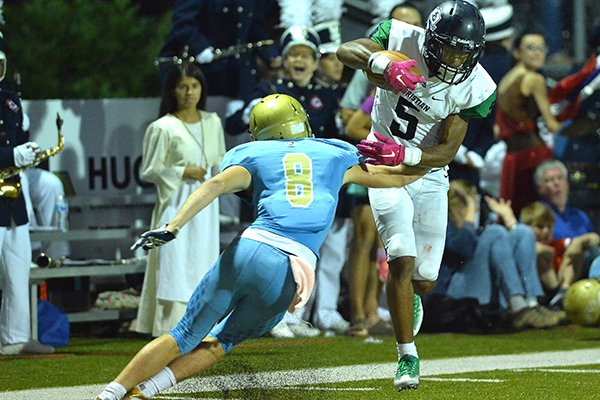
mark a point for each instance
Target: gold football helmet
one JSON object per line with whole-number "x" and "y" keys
{"x": 279, "y": 116}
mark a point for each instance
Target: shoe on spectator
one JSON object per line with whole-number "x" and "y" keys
{"x": 30, "y": 347}
{"x": 384, "y": 314}
{"x": 532, "y": 318}
{"x": 339, "y": 326}
{"x": 559, "y": 315}
{"x": 135, "y": 394}
{"x": 382, "y": 328}
{"x": 417, "y": 314}
{"x": 359, "y": 329}
{"x": 281, "y": 331}
{"x": 304, "y": 329}
{"x": 407, "y": 373}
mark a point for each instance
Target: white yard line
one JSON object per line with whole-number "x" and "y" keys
{"x": 429, "y": 369}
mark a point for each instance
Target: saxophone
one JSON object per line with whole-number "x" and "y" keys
{"x": 12, "y": 190}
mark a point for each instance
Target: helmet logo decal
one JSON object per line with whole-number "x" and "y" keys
{"x": 316, "y": 103}
{"x": 434, "y": 18}
{"x": 297, "y": 128}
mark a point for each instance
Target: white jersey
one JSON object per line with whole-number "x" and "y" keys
{"x": 414, "y": 118}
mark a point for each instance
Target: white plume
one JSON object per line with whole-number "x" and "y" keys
{"x": 382, "y": 8}
{"x": 327, "y": 10}
{"x": 295, "y": 12}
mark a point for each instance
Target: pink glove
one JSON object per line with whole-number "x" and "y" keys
{"x": 398, "y": 75}
{"x": 384, "y": 151}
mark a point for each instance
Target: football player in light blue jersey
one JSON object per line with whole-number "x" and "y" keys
{"x": 294, "y": 182}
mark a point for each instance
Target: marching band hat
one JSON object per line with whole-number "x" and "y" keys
{"x": 329, "y": 35}
{"x": 299, "y": 35}
{"x": 498, "y": 22}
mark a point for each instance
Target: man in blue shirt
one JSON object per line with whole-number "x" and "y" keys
{"x": 294, "y": 183}
{"x": 551, "y": 180}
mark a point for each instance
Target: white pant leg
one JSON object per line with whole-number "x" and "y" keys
{"x": 44, "y": 191}
{"x": 15, "y": 264}
{"x": 412, "y": 221}
{"x": 333, "y": 258}
{"x": 28, "y": 202}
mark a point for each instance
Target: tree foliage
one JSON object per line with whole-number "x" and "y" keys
{"x": 83, "y": 48}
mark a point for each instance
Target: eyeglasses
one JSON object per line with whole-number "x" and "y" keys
{"x": 533, "y": 48}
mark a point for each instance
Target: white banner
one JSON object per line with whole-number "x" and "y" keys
{"x": 103, "y": 141}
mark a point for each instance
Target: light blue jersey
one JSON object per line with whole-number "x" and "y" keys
{"x": 295, "y": 184}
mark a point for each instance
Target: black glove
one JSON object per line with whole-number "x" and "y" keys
{"x": 153, "y": 239}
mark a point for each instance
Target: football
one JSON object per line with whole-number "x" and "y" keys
{"x": 378, "y": 80}
{"x": 582, "y": 302}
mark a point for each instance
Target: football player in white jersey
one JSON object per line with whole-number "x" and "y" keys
{"x": 419, "y": 123}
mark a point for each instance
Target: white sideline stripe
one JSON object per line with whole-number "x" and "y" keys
{"x": 566, "y": 371}
{"x": 329, "y": 389}
{"x": 462, "y": 380}
{"x": 350, "y": 373}
{"x": 386, "y": 371}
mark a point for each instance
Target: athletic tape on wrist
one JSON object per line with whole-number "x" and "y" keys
{"x": 412, "y": 155}
{"x": 378, "y": 63}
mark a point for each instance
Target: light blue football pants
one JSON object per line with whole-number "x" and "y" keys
{"x": 244, "y": 295}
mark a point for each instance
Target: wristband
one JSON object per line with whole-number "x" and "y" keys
{"x": 378, "y": 63}
{"x": 412, "y": 155}
{"x": 175, "y": 230}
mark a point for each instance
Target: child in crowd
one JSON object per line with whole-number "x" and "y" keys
{"x": 559, "y": 261}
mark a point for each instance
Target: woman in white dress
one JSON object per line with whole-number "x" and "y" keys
{"x": 181, "y": 150}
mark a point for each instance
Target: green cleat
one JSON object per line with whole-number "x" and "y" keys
{"x": 417, "y": 314}
{"x": 407, "y": 374}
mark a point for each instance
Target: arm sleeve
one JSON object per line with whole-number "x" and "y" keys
{"x": 234, "y": 124}
{"x": 258, "y": 31}
{"x": 481, "y": 110}
{"x": 381, "y": 34}
{"x": 185, "y": 26}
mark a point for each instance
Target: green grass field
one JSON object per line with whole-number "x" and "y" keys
{"x": 337, "y": 368}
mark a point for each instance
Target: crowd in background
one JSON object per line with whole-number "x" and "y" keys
{"x": 514, "y": 244}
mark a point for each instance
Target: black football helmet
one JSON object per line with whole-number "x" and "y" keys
{"x": 454, "y": 40}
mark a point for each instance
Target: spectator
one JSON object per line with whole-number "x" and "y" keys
{"x": 496, "y": 265}
{"x": 521, "y": 100}
{"x": 576, "y": 100}
{"x": 559, "y": 261}
{"x": 15, "y": 246}
{"x": 199, "y": 24}
{"x": 181, "y": 148}
{"x": 553, "y": 188}
{"x": 330, "y": 68}
{"x": 365, "y": 247}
